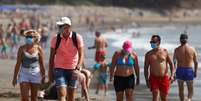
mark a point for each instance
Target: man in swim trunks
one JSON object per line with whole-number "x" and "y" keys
{"x": 100, "y": 44}
{"x": 156, "y": 69}
{"x": 184, "y": 58}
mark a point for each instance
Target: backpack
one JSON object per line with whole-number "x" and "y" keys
{"x": 74, "y": 38}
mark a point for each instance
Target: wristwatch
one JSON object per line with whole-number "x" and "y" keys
{"x": 78, "y": 67}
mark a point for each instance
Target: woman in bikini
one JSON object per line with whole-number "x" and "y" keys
{"x": 29, "y": 70}
{"x": 124, "y": 64}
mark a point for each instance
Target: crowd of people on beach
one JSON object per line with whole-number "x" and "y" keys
{"x": 67, "y": 70}
{"x": 11, "y": 35}
{"x": 14, "y": 22}
{"x": 25, "y": 37}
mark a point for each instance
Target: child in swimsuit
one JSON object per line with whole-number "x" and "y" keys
{"x": 103, "y": 74}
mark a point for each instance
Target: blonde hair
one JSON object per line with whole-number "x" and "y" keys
{"x": 33, "y": 33}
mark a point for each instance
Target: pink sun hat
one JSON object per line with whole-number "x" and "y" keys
{"x": 127, "y": 46}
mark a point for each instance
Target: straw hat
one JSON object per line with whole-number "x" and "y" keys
{"x": 33, "y": 33}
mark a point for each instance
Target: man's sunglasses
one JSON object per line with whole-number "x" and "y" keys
{"x": 61, "y": 26}
{"x": 153, "y": 41}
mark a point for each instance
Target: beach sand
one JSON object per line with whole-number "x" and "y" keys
{"x": 10, "y": 93}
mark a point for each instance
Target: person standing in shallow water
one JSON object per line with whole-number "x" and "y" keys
{"x": 156, "y": 70}
{"x": 29, "y": 69}
{"x": 185, "y": 59}
{"x": 124, "y": 64}
{"x": 100, "y": 45}
{"x": 102, "y": 79}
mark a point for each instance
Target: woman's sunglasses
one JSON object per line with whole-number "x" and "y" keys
{"x": 29, "y": 37}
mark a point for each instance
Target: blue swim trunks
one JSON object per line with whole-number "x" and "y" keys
{"x": 184, "y": 73}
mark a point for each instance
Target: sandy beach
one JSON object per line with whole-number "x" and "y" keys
{"x": 9, "y": 93}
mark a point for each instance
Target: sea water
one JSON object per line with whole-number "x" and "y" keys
{"x": 169, "y": 40}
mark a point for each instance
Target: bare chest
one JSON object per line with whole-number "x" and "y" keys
{"x": 158, "y": 56}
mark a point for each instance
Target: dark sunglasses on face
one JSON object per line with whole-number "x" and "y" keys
{"x": 61, "y": 26}
{"x": 29, "y": 36}
{"x": 153, "y": 41}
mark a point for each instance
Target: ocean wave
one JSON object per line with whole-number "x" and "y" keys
{"x": 138, "y": 43}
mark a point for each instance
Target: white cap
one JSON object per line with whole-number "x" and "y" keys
{"x": 63, "y": 21}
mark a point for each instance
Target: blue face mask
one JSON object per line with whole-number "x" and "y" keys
{"x": 154, "y": 45}
{"x": 29, "y": 41}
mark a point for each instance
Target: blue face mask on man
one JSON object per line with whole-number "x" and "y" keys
{"x": 154, "y": 45}
{"x": 29, "y": 40}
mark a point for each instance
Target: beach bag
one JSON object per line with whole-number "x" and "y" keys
{"x": 51, "y": 92}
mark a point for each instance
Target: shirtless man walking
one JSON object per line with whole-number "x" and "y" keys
{"x": 100, "y": 45}
{"x": 185, "y": 59}
{"x": 156, "y": 69}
